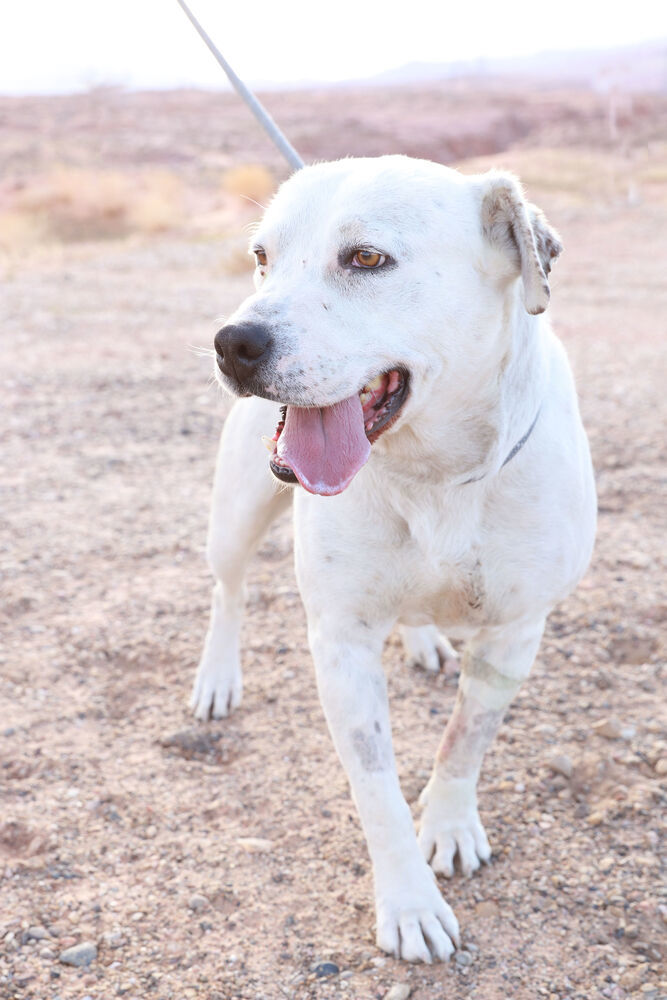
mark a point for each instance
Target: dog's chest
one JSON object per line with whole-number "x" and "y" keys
{"x": 443, "y": 573}
{"x": 450, "y": 595}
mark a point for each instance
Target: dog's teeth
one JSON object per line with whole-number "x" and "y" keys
{"x": 364, "y": 397}
{"x": 376, "y": 384}
{"x": 268, "y": 442}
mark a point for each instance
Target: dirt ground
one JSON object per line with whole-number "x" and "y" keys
{"x": 225, "y": 860}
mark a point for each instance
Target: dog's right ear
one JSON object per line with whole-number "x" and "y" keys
{"x": 521, "y": 233}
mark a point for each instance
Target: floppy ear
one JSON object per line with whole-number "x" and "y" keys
{"x": 519, "y": 231}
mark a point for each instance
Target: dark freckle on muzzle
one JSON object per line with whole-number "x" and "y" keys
{"x": 241, "y": 348}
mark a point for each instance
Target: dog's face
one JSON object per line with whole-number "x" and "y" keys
{"x": 379, "y": 282}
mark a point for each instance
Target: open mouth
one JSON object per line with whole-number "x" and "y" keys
{"x": 323, "y": 448}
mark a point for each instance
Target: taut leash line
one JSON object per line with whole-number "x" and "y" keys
{"x": 259, "y": 111}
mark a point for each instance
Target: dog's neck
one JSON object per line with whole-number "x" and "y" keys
{"x": 489, "y": 416}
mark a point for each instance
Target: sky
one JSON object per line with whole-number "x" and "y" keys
{"x": 58, "y": 46}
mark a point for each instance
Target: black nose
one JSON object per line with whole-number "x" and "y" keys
{"x": 241, "y": 348}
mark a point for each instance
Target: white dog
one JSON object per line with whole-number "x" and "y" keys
{"x": 430, "y": 417}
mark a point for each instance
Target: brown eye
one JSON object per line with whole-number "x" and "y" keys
{"x": 260, "y": 256}
{"x": 368, "y": 259}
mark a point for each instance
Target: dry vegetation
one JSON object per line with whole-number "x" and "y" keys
{"x": 223, "y": 860}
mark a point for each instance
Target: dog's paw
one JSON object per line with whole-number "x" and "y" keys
{"x": 217, "y": 689}
{"x": 427, "y": 648}
{"x": 450, "y": 826}
{"x": 414, "y": 922}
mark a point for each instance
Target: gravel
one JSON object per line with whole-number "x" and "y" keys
{"x": 116, "y": 804}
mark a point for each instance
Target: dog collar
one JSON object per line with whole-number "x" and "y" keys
{"x": 517, "y": 448}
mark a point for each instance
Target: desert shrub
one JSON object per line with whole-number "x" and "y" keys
{"x": 71, "y": 204}
{"x": 250, "y": 181}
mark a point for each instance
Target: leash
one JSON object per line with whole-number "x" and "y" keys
{"x": 258, "y": 110}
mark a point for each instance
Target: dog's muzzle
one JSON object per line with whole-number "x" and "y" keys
{"x": 240, "y": 350}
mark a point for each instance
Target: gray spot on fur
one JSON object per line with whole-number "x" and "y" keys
{"x": 367, "y": 750}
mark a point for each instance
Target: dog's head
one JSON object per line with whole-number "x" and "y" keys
{"x": 378, "y": 283}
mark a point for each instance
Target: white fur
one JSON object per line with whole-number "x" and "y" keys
{"x": 434, "y": 532}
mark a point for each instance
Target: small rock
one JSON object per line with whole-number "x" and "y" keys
{"x": 113, "y": 939}
{"x": 636, "y": 559}
{"x": 324, "y": 969}
{"x": 198, "y": 903}
{"x": 37, "y": 933}
{"x": 487, "y": 908}
{"x": 399, "y": 991}
{"x": 634, "y": 977}
{"x": 606, "y": 864}
{"x": 46, "y": 953}
{"x": 561, "y": 765}
{"x": 79, "y": 955}
{"x": 661, "y": 766}
{"x": 255, "y": 845}
{"x": 463, "y": 957}
{"x": 611, "y": 729}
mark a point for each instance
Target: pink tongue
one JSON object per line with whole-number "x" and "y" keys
{"x": 325, "y": 447}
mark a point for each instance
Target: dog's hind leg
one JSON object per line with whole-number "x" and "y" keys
{"x": 426, "y": 647}
{"x": 246, "y": 498}
{"x": 492, "y": 671}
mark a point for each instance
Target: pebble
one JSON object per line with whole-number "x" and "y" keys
{"x": 255, "y": 845}
{"x": 37, "y": 933}
{"x": 561, "y": 765}
{"x": 113, "y": 939}
{"x": 198, "y": 903}
{"x": 606, "y": 864}
{"x": 610, "y": 729}
{"x": 636, "y": 559}
{"x": 487, "y": 908}
{"x": 11, "y": 944}
{"x": 463, "y": 957}
{"x": 79, "y": 955}
{"x": 399, "y": 991}
{"x": 324, "y": 969}
{"x": 46, "y": 953}
{"x": 661, "y": 766}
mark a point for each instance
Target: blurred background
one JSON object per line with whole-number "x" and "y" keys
{"x": 117, "y": 120}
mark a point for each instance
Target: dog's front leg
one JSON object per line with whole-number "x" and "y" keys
{"x": 413, "y": 920}
{"x": 246, "y": 498}
{"x": 492, "y": 671}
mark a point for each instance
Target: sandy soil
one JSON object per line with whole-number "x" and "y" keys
{"x": 225, "y": 860}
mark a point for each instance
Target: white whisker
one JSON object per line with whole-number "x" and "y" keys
{"x": 201, "y": 352}
{"x": 252, "y": 200}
